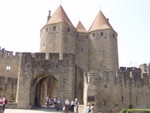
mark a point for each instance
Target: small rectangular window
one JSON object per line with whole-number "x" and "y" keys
{"x": 113, "y": 35}
{"x": 93, "y": 34}
{"x": 8, "y": 68}
{"x": 81, "y": 49}
{"x": 91, "y": 98}
{"x": 68, "y": 29}
{"x": 46, "y": 29}
{"x": 54, "y": 28}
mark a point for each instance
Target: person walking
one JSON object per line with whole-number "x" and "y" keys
{"x": 50, "y": 102}
{"x": 58, "y": 104}
{"x": 92, "y": 109}
{"x": 47, "y": 101}
{"x": 72, "y": 106}
{"x": 76, "y": 105}
{"x": 67, "y": 104}
{"x": 88, "y": 110}
{"x": 4, "y": 102}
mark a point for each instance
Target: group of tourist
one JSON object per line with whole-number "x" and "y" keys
{"x": 68, "y": 105}
{"x": 71, "y": 106}
{"x": 3, "y": 102}
{"x": 53, "y": 102}
{"x": 90, "y": 108}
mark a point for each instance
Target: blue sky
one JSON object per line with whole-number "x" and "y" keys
{"x": 21, "y": 21}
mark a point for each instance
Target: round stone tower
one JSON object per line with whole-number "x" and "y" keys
{"x": 58, "y": 35}
{"x": 103, "y": 45}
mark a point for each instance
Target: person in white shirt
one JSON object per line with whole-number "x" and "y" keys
{"x": 76, "y": 105}
{"x": 72, "y": 106}
{"x": 67, "y": 104}
{"x": 47, "y": 101}
{"x": 4, "y": 102}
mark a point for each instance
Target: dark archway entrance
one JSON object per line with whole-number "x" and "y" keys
{"x": 43, "y": 86}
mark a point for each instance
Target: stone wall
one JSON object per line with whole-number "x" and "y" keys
{"x": 124, "y": 89}
{"x": 8, "y": 87}
{"x": 34, "y": 67}
{"x": 9, "y": 63}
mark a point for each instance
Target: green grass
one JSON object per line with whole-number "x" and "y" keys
{"x": 134, "y": 110}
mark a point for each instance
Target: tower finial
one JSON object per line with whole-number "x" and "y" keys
{"x": 49, "y": 15}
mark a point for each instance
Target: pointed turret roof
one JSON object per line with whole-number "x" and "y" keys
{"x": 59, "y": 16}
{"x": 100, "y": 22}
{"x": 80, "y": 27}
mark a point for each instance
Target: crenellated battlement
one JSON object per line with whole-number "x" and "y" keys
{"x": 142, "y": 72}
{"x": 9, "y": 54}
{"x": 52, "y": 56}
{"x": 129, "y": 69}
{"x": 36, "y": 56}
{"x": 125, "y": 77}
{"x": 133, "y": 73}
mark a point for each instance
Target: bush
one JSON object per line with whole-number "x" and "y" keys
{"x": 123, "y": 111}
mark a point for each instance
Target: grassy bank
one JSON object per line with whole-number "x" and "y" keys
{"x": 135, "y": 110}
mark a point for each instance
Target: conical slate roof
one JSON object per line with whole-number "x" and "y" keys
{"x": 100, "y": 22}
{"x": 59, "y": 16}
{"x": 80, "y": 27}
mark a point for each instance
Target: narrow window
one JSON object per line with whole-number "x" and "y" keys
{"x": 81, "y": 49}
{"x": 46, "y": 29}
{"x": 113, "y": 35}
{"x": 122, "y": 99}
{"x": 93, "y": 34}
{"x": 54, "y": 28}
{"x": 104, "y": 102}
{"x": 102, "y": 34}
{"x": 68, "y": 29}
{"x": 86, "y": 36}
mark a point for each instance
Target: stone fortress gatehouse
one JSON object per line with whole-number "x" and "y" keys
{"x": 74, "y": 63}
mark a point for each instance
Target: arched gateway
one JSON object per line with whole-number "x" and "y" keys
{"x": 43, "y": 86}
{"x": 39, "y": 78}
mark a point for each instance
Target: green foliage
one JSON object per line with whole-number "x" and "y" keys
{"x": 134, "y": 110}
{"x": 123, "y": 111}
{"x": 146, "y": 112}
